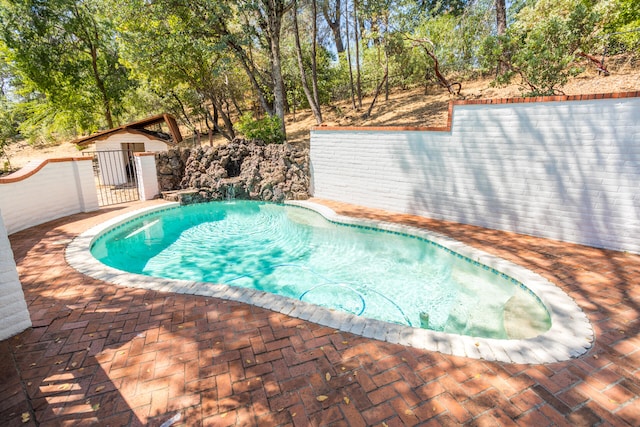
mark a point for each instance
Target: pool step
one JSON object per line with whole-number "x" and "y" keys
{"x": 184, "y": 197}
{"x": 522, "y": 320}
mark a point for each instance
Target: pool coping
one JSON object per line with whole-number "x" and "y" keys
{"x": 570, "y": 335}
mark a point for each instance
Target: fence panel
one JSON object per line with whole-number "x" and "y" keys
{"x": 115, "y": 176}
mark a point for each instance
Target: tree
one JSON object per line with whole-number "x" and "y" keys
{"x": 351, "y": 86}
{"x": 269, "y": 15}
{"x": 439, "y": 7}
{"x": 190, "y": 74}
{"x": 357, "y": 45}
{"x": 8, "y": 129}
{"x": 501, "y": 17}
{"x": 376, "y": 36}
{"x": 8, "y": 120}
{"x": 66, "y": 50}
{"x": 243, "y": 27}
{"x": 501, "y": 27}
{"x": 77, "y": 65}
{"x": 624, "y": 19}
{"x": 312, "y": 97}
{"x": 332, "y": 11}
{"x": 543, "y": 51}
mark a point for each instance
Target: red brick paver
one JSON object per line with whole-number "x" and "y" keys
{"x": 101, "y": 354}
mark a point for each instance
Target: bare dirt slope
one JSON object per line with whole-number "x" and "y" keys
{"x": 413, "y": 107}
{"x": 416, "y": 108}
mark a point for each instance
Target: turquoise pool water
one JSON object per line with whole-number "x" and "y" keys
{"x": 295, "y": 252}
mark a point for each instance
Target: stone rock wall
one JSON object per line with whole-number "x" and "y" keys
{"x": 170, "y": 168}
{"x": 246, "y": 170}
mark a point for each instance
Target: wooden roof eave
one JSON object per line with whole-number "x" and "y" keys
{"x": 95, "y": 138}
{"x": 173, "y": 128}
{"x": 135, "y": 127}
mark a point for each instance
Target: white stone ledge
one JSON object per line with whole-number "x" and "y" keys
{"x": 570, "y": 335}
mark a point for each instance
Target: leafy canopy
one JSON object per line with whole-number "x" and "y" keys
{"x": 76, "y": 66}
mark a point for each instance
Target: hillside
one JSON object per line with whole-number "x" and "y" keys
{"x": 412, "y": 107}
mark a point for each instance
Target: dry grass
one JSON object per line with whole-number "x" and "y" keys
{"x": 413, "y": 107}
{"x": 417, "y": 107}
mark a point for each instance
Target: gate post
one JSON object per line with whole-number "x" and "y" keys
{"x": 147, "y": 176}
{"x": 85, "y": 185}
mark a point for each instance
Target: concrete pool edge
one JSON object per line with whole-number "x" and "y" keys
{"x": 569, "y": 336}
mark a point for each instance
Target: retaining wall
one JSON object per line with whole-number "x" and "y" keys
{"x": 565, "y": 168}
{"x": 14, "y": 314}
{"x": 42, "y": 191}
{"x": 45, "y": 190}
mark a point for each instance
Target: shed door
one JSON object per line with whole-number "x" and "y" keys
{"x": 128, "y": 148}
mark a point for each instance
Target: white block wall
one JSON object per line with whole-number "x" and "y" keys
{"x": 14, "y": 315}
{"x": 147, "y": 176}
{"x": 58, "y": 189}
{"x": 562, "y": 170}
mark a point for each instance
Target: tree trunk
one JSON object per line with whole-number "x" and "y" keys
{"x": 357, "y": 41}
{"x": 313, "y": 102}
{"x": 334, "y": 23}
{"x": 246, "y": 62}
{"x": 216, "y": 115}
{"x": 229, "y": 134}
{"x": 501, "y": 17}
{"x": 234, "y": 101}
{"x": 208, "y": 118}
{"x": 375, "y": 96}
{"x": 501, "y": 21}
{"x": 353, "y": 99}
{"x": 106, "y": 104}
{"x": 278, "y": 81}
{"x": 386, "y": 73}
{"x": 183, "y": 111}
{"x": 386, "y": 57}
{"x": 453, "y": 88}
{"x": 314, "y": 45}
{"x": 90, "y": 37}
{"x": 270, "y": 19}
{"x": 598, "y": 62}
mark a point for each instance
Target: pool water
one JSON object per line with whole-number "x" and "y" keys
{"x": 297, "y": 253}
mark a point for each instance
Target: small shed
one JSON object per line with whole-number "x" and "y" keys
{"x": 114, "y": 148}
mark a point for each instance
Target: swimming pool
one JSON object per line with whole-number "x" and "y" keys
{"x": 397, "y": 279}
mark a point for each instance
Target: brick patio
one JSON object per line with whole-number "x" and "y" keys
{"x": 100, "y": 354}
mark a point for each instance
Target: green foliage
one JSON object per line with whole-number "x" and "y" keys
{"x": 64, "y": 54}
{"x": 546, "y": 58}
{"x": 67, "y": 65}
{"x": 10, "y": 117}
{"x": 8, "y": 128}
{"x": 622, "y": 26}
{"x": 624, "y": 16}
{"x": 454, "y": 38}
{"x": 543, "y": 52}
{"x": 407, "y": 67}
{"x": 440, "y": 7}
{"x": 267, "y": 129}
{"x": 185, "y": 65}
{"x": 327, "y": 74}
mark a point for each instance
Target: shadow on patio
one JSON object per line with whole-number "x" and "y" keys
{"x": 109, "y": 355}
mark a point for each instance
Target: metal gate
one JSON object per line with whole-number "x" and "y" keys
{"x": 115, "y": 176}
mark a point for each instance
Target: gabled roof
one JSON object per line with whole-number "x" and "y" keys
{"x": 138, "y": 127}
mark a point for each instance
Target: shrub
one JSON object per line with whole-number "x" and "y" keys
{"x": 543, "y": 52}
{"x": 268, "y": 129}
